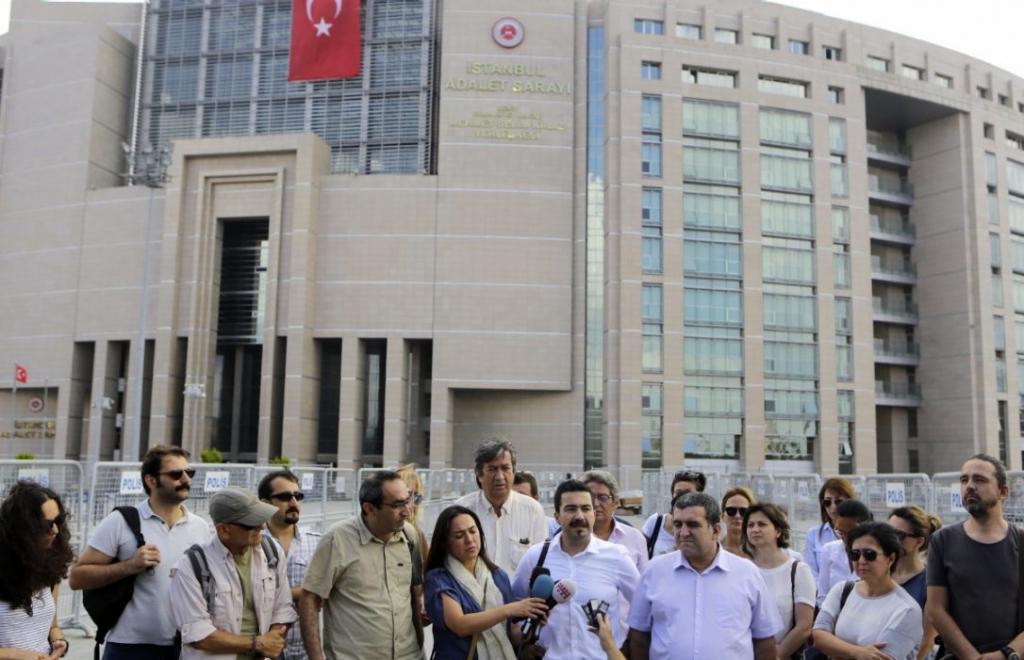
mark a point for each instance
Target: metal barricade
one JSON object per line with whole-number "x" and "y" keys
{"x": 885, "y": 492}
{"x": 1013, "y": 508}
{"x": 342, "y": 495}
{"x": 67, "y": 480}
{"x": 797, "y": 494}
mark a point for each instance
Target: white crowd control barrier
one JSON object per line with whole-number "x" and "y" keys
{"x": 886, "y": 492}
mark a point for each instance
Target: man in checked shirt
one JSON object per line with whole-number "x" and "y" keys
{"x": 281, "y": 489}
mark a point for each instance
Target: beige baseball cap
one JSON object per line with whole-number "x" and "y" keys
{"x": 238, "y": 505}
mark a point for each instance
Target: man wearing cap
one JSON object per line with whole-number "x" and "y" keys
{"x": 363, "y": 573}
{"x": 252, "y": 605}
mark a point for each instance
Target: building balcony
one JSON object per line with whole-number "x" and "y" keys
{"x": 895, "y": 232}
{"x": 897, "y": 395}
{"x": 898, "y": 353}
{"x": 896, "y": 271}
{"x": 897, "y": 312}
{"x": 886, "y": 149}
{"x": 890, "y": 191}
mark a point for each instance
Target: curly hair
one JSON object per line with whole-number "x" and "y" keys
{"x": 26, "y": 564}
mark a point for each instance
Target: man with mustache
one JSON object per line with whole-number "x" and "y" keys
{"x": 145, "y": 629}
{"x": 602, "y": 571}
{"x": 974, "y": 570}
{"x": 281, "y": 489}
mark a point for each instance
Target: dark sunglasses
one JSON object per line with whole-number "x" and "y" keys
{"x": 828, "y": 501}
{"x": 288, "y": 497}
{"x": 247, "y": 528}
{"x": 177, "y": 474}
{"x": 735, "y": 511}
{"x": 869, "y": 555}
{"x": 58, "y": 521}
{"x": 902, "y": 536}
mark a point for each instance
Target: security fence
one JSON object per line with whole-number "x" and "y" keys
{"x": 332, "y": 495}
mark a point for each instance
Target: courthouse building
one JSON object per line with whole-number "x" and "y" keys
{"x": 634, "y": 234}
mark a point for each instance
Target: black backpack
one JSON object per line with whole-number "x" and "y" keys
{"x": 106, "y": 604}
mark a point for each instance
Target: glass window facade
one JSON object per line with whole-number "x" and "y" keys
{"x": 221, "y": 69}
{"x": 877, "y": 63}
{"x": 648, "y": 26}
{"x": 712, "y": 302}
{"x": 711, "y": 161}
{"x": 688, "y": 31}
{"x": 652, "y": 230}
{"x": 713, "y": 351}
{"x": 712, "y": 254}
{"x": 786, "y": 214}
{"x": 796, "y": 88}
{"x": 711, "y": 119}
{"x": 651, "y": 435}
{"x": 786, "y": 128}
{"x": 650, "y": 70}
{"x": 763, "y": 41}
{"x": 710, "y": 77}
{"x": 725, "y": 36}
{"x": 711, "y": 207}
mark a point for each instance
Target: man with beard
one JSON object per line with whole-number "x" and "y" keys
{"x": 974, "y": 570}
{"x": 701, "y": 601}
{"x": 601, "y": 570}
{"x": 281, "y": 489}
{"x": 145, "y": 629}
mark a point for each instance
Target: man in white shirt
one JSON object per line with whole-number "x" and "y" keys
{"x": 145, "y": 629}
{"x": 833, "y": 563}
{"x": 245, "y": 606}
{"x": 601, "y": 570}
{"x": 701, "y": 601}
{"x": 511, "y": 522}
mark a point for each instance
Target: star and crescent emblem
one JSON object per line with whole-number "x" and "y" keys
{"x": 323, "y": 28}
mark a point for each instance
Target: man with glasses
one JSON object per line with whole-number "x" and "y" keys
{"x": 145, "y": 629}
{"x": 230, "y": 596}
{"x": 281, "y": 489}
{"x": 974, "y": 570}
{"x": 364, "y": 573}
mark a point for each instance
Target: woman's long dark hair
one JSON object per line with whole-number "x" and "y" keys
{"x": 439, "y": 541}
{"x": 26, "y": 565}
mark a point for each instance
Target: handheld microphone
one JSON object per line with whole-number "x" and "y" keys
{"x": 537, "y": 572}
{"x": 543, "y": 587}
{"x": 561, "y": 592}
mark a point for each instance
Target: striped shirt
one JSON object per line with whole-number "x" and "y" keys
{"x": 299, "y": 553}
{"x": 18, "y": 630}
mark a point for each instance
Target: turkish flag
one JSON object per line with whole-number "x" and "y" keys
{"x": 325, "y": 40}
{"x": 20, "y": 374}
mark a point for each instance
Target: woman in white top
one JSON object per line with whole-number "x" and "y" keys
{"x": 879, "y": 620}
{"x": 765, "y": 539}
{"x": 35, "y": 553}
{"x": 659, "y": 526}
{"x": 832, "y": 493}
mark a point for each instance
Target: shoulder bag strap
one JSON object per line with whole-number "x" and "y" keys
{"x": 543, "y": 554}
{"x": 1020, "y": 579}
{"x": 653, "y": 538}
{"x": 792, "y": 587}
{"x": 131, "y": 516}
{"x": 847, "y": 588}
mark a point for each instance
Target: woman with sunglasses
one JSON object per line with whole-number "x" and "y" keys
{"x": 468, "y": 597}
{"x": 766, "y": 540}
{"x": 832, "y": 493}
{"x": 412, "y": 480}
{"x": 914, "y": 527}
{"x": 879, "y": 620}
{"x": 735, "y": 503}
{"x": 35, "y": 553}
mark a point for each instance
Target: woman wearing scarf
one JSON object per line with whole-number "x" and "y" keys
{"x": 468, "y": 598}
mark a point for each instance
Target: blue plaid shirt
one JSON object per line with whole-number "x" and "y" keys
{"x": 299, "y": 554}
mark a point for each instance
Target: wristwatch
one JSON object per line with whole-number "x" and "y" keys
{"x": 1010, "y": 653}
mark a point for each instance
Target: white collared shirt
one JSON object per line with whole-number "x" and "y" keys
{"x": 272, "y": 599}
{"x": 147, "y": 618}
{"x": 834, "y": 568}
{"x": 711, "y": 615}
{"x": 602, "y": 571}
{"x": 522, "y": 524}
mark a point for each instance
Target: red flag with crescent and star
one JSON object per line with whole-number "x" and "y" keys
{"x": 325, "y": 40}
{"x": 20, "y": 374}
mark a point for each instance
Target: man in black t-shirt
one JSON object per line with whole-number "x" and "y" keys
{"x": 973, "y": 571}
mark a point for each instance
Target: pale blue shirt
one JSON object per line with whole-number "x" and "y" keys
{"x": 711, "y": 615}
{"x": 602, "y": 571}
{"x": 817, "y": 537}
{"x": 835, "y": 568}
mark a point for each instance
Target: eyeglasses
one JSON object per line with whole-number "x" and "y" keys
{"x": 869, "y": 555}
{"x": 735, "y": 511}
{"x": 298, "y": 496}
{"x": 901, "y": 535}
{"x": 177, "y": 474}
{"x": 58, "y": 521}
{"x": 416, "y": 498}
{"x": 828, "y": 501}
{"x": 247, "y": 528}
{"x": 398, "y": 505}
{"x": 603, "y": 499}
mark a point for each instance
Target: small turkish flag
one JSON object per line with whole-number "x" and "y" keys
{"x": 325, "y": 40}
{"x": 20, "y": 374}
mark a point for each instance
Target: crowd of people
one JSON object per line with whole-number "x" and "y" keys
{"x": 499, "y": 580}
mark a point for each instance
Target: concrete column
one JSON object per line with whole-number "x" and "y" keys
{"x": 396, "y": 403}
{"x": 442, "y": 417}
{"x": 350, "y": 411}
